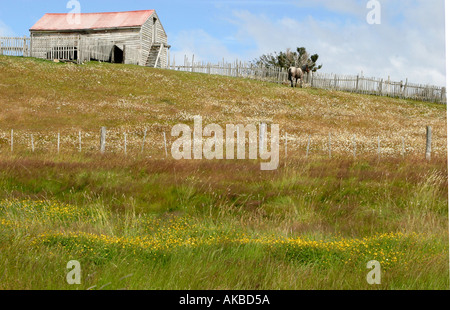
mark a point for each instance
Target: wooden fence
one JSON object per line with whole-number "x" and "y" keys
{"x": 15, "y": 46}
{"x": 81, "y": 49}
{"x": 67, "y": 48}
{"x": 350, "y": 83}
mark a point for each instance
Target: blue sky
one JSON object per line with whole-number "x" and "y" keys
{"x": 409, "y": 42}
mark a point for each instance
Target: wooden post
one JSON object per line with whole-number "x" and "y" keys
{"x": 193, "y": 58}
{"x": 285, "y": 144}
{"x": 307, "y": 147}
{"x": 357, "y": 83}
{"x": 404, "y": 88}
{"x": 381, "y": 87}
{"x": 354, "y": 146}
{"x": 32, "y": 143}
{"x": 428, "y": 146}
{"x": 403, "y": 147}
{"x": 238, "y": 135}
{"x": 389, "y": 85}
{"x": 379, "y": 148}
{"x": 79, "y": 141}
{"x": 168, "y": 59}
{"x": 165, "y": 144}
{"x": 103, "y": 140}
{"x": 262, "y": 137}
{"x": 329, "y": 145}
{"x": 143, "y": 140}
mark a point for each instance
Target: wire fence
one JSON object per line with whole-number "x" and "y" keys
{"x": 156, "y": 142}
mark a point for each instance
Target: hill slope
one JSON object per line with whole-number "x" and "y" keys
{"x": 142, "y": 222}
{"x": 45, "y": 97}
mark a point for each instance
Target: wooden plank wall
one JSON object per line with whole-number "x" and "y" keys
{"x": 95, "y": 46}
{"x": 147, "y": 39}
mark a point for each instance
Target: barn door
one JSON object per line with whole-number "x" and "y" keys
{"x": 155, "y": 30}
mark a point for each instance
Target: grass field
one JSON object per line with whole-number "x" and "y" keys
{"x": 146, "y": 222}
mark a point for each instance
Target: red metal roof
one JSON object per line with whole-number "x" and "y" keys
{"x": 56, "y": 21}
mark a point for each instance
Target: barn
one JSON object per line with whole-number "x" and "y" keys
{"x": 134, "y": 37}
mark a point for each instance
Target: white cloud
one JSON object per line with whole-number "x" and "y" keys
{"x": 409, "y": 43}
{"x": 5, "y": 30}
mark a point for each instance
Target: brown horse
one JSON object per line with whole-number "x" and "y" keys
{"x": 297, "y": 73}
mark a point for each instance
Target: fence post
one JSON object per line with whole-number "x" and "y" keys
{"x": 59, "y": 141}
{"x": 32, "y": 143}
{"x": 428, "y": 146}
{"x": 403, "y": 147}
{"x": 442, "y": 94}
{"x": 165, "y": 144}
{"x": 404, "y": 88}
{"x": 354, "y": 146}
{"x": 103, "y": 140}
{"x": 329, "y": 145}
{"x": 308, "y": 146}
{"x": 262, "y": 137}
{"x": 357, "y": 83}
{"x": 389, "y": 85}
{"x": 285, "y": 144}
{"x": 25, "y": 47}
{"x": 381, "y": 87}
{"x": 79, "y": 141}
{"x": 379, "y": 148}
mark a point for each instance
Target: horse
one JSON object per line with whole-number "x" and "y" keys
{"x": 297, "y": 73}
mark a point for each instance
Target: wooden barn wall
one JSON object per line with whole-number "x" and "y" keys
{"x": 147, "y": 39}
{"x": 130, "y": 38}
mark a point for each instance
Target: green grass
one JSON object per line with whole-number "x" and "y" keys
{"x": 141, "y": 222}
{"x": 290, "y": 231}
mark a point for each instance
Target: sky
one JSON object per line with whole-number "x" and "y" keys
{"x": 408, "y": 42}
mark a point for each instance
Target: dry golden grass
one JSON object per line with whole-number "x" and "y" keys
{"x": 43, "y": 98}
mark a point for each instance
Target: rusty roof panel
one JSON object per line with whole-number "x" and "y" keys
{"x": 60, "y": 22}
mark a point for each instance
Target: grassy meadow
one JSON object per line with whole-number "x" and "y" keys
{"x": 144, "y": 221}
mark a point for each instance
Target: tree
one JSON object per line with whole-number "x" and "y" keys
{"x": 298, "y": 58}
